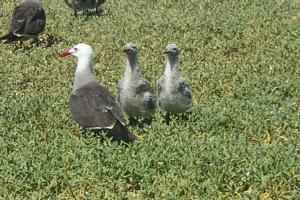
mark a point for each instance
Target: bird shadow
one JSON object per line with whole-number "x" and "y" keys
{"x": 20, "y": 45}
{"x": 144, "y": 123}
{"x": 93, "y": 13}
{"x": 51, "y": 39}
{"x": 47, "y": 41}
{"x": 101, "y": 12}
{"x": 183, "y": 117}
{"x": 103, "y": 135}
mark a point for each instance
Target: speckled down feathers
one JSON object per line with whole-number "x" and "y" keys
{"x": 136, "y": 96}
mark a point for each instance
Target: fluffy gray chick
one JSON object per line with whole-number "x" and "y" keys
{"x": 174, "y": 94}
{"x": 135, "y": 94}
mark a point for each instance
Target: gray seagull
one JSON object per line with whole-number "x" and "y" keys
{"x": 28, "y": 21}
{"x": 135, "y": 94}
{"x": 84, "y": 5}
{"x": 174, "y": 94}
{"x": 91, "y": 105}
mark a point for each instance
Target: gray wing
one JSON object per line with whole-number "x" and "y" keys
{"x": 79, "y": 4}
{"x": 97, "y": 3}
{"x": 159, "y": 85}
{"x": 68, "y": 2}
{"x": 28, "y": 19}
{"x": 144, "y": 88}
{"x": 95, "y": 107}
{"x": 183, "y": 87}
{"x": 119, "y": 90}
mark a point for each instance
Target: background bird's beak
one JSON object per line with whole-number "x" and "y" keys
{"x": 64, "y": 53}
{"x": 166, "y": 51}
{"x": 127, "y": 49}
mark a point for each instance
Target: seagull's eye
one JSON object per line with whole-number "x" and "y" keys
{"x": 75, "y": 49}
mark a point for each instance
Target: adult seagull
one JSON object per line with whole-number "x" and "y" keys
{"x": 84, "y": 5}
{"x": 28, "y": 21}
{"x": 174, "y": 93}
{"x": 91, "y": 105}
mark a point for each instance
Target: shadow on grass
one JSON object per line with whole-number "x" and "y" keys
{"x": 144, "y": 123}
{"x": 103, "y": 135}
{"x": 51, "y": 39}
{"x": 47, "y": 41}
{"x": 94, "y": 13}
{"x": 182, "y": 117}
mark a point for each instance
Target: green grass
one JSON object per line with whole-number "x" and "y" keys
{"x": 241, "y": 142}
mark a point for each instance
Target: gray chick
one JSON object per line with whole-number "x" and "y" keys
{"x": 84, "y": 5}
{"x": 174, "y": 94}
{"x": 135, "y": 94}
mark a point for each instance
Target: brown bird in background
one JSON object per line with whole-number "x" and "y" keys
{"x": 84, "y": 5}
{"x": 28, "y": 21}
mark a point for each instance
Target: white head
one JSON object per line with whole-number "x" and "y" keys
{"x": 83, "y": 73}
{"x": 81, "y": 51}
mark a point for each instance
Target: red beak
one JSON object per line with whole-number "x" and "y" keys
{"x": 64, "y": 53}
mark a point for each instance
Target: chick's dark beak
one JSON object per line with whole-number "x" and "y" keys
{"x": 128, "y": 49}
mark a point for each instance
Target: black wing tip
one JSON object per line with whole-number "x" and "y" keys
{"x": 8, "y": 37}
{"x": 118, "y": 133}
{"x": 121, "y": 133}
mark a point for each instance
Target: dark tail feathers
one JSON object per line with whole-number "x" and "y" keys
{"x": 120, "y": 132}
{"x": 10, "y": 37}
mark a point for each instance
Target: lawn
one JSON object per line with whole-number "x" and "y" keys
{"x": 242, "y": 140}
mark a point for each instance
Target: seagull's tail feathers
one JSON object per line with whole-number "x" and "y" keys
{"x": 120, "y": 132}
{"x": 10, "y": 37}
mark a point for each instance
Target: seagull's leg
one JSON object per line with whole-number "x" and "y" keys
{"x": 132, "y": 120}
{"x": 37, "y": 41}
{"x": 87, "y": 14}
{"x": 167, "y": 118}
{"x": 21, "y": 44}
{"x": 75, "y": 13}
{"x": 98, "y": 11}
{"x": 185, "y": 116}
{"x": 85, "y": 132}
{"x": 146, "y": 122}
